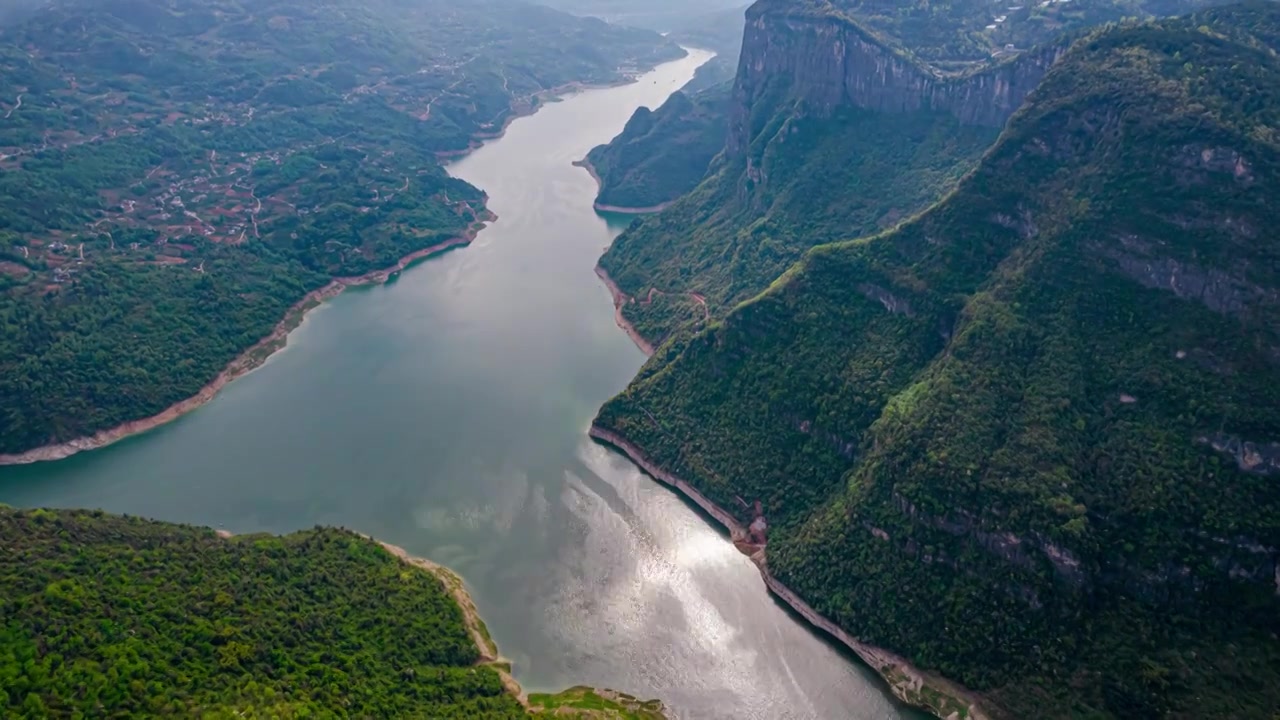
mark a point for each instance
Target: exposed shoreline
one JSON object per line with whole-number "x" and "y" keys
{"x": 905, "y": 680}
{"x": 490, "y": 657}
{"x": 619, "y": 300}
{"x": 254, "y": 356}
{"x": 471, "y": 616}
{"x": 488, "y": 649}
{"x": 244, "y": 363}
{"x": 585, "y": 164}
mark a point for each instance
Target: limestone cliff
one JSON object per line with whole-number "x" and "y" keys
{"x": 821, "y": 59}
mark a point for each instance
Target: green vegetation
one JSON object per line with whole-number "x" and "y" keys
{"x": 603, "y": 704}
{"x": 957, "y": 35}
{"x": 1028, "y": 439}
{"x": 175, "y": 175}
{"x": 663, "y": 153}
{"x": 819, "y": 180}
{"x": 109, "y": 616}
{"x": 810, "y": 168}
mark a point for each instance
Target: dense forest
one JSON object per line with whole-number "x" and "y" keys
{"x": 175, "y": 175}
{"x": 1030, "y": 438}
{"x": 856, "y": 172}
{"x": 109, "y": 616}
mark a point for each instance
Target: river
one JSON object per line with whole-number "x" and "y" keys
{"x": 446, "y": 412}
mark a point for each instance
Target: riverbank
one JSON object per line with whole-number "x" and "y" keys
{"x": 528, "y": 105}
{"x": 619, "y": 300}
{"x": 582, "y": 702}
{"x": 247, "y": 361}
{"x": 916, "y": 687}
{"x": 585, "y": 164}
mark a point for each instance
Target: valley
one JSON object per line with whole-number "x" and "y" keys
{"x": 129, "y": 187}
{"x": 436, "y": 414}
{"x": 956, "y": 390}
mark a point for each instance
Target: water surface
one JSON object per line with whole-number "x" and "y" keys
{"x": 447, "y": 412}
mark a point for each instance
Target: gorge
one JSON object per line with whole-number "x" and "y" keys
{"x": 965, "y": 328}
{"x": 446, "y": 413}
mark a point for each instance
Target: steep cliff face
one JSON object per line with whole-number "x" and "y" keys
{"x": 824, "y": 60}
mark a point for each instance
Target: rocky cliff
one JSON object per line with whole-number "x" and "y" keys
{"x": 822, "y": 59}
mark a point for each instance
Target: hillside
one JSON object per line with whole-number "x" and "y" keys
{"x": 661, "y": 154}
{"x": 176, "y": 176}
{"x": 719, "y": 31}
{"x": 109, "y": 616}
{"x": 1029, "y": 439}
{"x": 664, "y": 153}
{"x": 846, "y": 118}
{"x": 661, "y": 15}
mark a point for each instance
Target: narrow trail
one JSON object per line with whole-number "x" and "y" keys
{"x": 253, "y": 216}
{"x": 15, "y": 107}
{"x": 696, "y": 297}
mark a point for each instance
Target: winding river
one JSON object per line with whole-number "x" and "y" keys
{"x": 447, "y": 412}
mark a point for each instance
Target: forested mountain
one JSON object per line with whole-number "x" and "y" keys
{"x": 1030, "y": 439}
{"x": 108, "y": 616}
{"x": 661, "y": 154}
{"x": 664, "y": 153}
{"x": 175, "y": 175}
{"x": 846, "y": 119}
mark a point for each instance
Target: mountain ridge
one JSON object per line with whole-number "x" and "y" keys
{"x": 979, "y": 438}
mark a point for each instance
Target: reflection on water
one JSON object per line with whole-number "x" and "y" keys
{"x": 447, "y": 413}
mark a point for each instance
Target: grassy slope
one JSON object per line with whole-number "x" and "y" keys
{"x": 108, "y": 616}
{"x": 1005, "y": 479}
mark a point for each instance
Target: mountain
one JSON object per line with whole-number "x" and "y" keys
{"x": 661, "y": 154}
{"x": 109, "y": 616}
{"x": 1029, "y": 440}
{"x": 661, "y": 15}
{"x": 182, "y": 178}
{"x": 846, "y": 119}
{"x": 664, "y": 153}
{"x": 719, "y": 31}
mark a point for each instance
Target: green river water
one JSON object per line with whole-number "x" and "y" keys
{"x": 447, "y": 412}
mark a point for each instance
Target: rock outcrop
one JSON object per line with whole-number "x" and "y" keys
{"x": 823, "y": 59}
